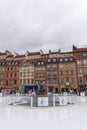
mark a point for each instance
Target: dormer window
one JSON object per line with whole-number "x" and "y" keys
{"x": 54, "y": 60}
{"x": 38, "y": 63}
{"x": 71, "y": 59}
{"x": 61, "y": 60}
{"x": 3, "y": 63}
{"x": 85, "y": 54}
{"x": 49, "y": 60}
{"x": 66, "y": 59}
{"x": 42, "y": 62}
{"x": 12, "y": 63}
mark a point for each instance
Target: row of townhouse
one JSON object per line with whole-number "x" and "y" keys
{"x": 55, "y": 71}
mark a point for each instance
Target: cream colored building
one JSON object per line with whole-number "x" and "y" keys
{"x": 2, "y": 76}
{"x": 26, "y": 74}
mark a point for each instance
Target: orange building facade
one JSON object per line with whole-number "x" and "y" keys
{"x": 55, "y": 71}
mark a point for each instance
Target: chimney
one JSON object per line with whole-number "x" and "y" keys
{"x": 74, "y": 48}
{"x": 41, "y": 52}
{"x": 8, "y": 53}
{"x": 59, "y": 51}
{"x": 26, "y": 54}
{"x": 15, "y": 54}
{"x": 50, "y": 51}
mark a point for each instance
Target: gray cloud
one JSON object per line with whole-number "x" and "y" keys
{"x": 42, "y": 24}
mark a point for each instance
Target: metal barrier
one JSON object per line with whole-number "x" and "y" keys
{"x": 41, "y": 100}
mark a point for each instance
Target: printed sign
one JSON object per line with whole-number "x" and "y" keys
{"x": 83, "y": 99}
{"x": 0, "y": 99}
{"x": 62, "y": 100}
{"x": 42, "y": 101}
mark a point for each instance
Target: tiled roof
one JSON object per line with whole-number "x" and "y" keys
{"x": 9, "y": 56}
{"x": 34, "y": 53}
{"x": 81, "y": 49}
{"x": 19, "y": 56}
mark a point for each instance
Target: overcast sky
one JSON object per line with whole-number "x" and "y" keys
{"x": 42, "y": 24}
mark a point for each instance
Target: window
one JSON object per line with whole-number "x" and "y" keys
{"x": 67, "y": 79}
{"x": 61, "y": 60}
{"x": 48, "y": 66}
{"x": 20, "y": 74}
{"x": 61, "y": 80}
{"x": 85, "y": 70}
{"x": 9, "y": 63}
{"x": 71, "y": 59}
{"x": 16, "y": 63}
{"x": 48, "y": 73}
{"x": 11, "y": 82}
{"x": 28, "y": 74}
{"x": 49, "y": 60}
{"x": 54, "y": 81}
{"x": 32, "y": 74}
{"x": 67, "y": 73}
{"x": 24, "y": 74}
{"x": 20, "y": 81}
{"x": 1, "y": 74}
{"x": 60, "y": 66}
{"x": 54, "y": 60}
{"x": 72, "y": 79}
{"x": 7, "y": 74}
{"x": 66, "y": 59}
{"x": 72, "y": 72}
{"x": 38, "y": 63}
{"x": 1, "y": 81}
{"x": 78, "y": 62}
{"x": 66, "y": 66}
{"x": 12, "y": 63}
{"x": 32, "y": 81}
{"x": 43, "y": 68}
{"x": 24, "y": 81}
{"x": 11, "y": 75}
{"x": 54, "y": 73}
{"x": 43, "y": 75}
{"x": 80, "y": 79}
{"x": 26, "y": 68}
{"x": 71, "y": 65}
{"x": 3, "y": 63}
{"x": 84, "y": 61}
{"x": 28, "y": 81}
{"x": 54, "y": 66}
{"x": 61, "y": 73}
{"x": 14, "y": 74}
{"x": 85, "y": 54}
{"x": 49, "y": 81}
{"x": 79, "y": 70}
{"x": 15, "y": 81}
{"x": 86, "y": 79}
{"x": 15, "y": 68}
{"x": 2, "y": 69}
{"x": 6, "y": 82}
{"x": 38, "y": 68}
{"x": 42, "y": 62}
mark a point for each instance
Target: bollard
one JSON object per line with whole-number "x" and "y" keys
{"x": 54, "y": 101}
{"x": 31, "y": 101}
{"x": 70, "y": 99}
